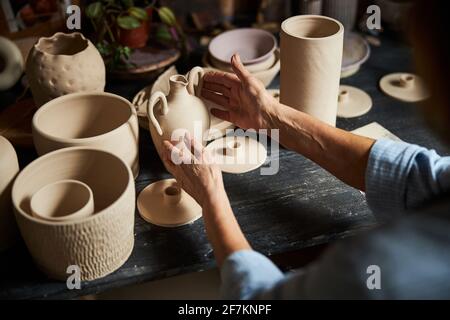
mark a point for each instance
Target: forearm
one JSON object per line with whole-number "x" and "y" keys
{"x": 222, "y": 228}
{"x": 343, "y": 154}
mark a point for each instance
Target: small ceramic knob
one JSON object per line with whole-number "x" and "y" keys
{"x": 232, "y": 148}
{"x": 406, "y": 81}
{"x": 343, "y": 96}
{"x": 172, "y": 195}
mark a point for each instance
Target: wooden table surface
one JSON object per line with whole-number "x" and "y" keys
{"x": 300, "y": 207}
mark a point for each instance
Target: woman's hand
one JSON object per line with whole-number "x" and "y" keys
{"x": 244, "y": 98}
{"x": 194, "y": 170}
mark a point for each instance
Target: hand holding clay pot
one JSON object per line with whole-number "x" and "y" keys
{"x": 195, "y": 172}
{"x": 245, "y": 100}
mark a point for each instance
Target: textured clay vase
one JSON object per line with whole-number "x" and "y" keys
{"x": 98, "y": 244}
{"x": 63, "y": 200}
{"x": 62, "y": 64}
{"x": 345, "y": 11}
{"x": 311, "y": 57}
{"x": 179, "y": 112}
{"x": 100, "y": 120}
{"x": 9, "y": 167}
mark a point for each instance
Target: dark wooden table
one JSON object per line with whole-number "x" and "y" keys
{"x": 300, "y": 207}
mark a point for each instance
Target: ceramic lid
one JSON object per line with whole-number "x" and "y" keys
{"x": 405, "y": 87}
{"x": 353, "y": 102}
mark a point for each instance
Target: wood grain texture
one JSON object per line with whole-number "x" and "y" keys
{"x": 302, "y": 206}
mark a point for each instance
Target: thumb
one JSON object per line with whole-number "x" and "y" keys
{"x": 239, "y": 68}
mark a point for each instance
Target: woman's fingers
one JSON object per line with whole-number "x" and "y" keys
{"x": 223, "y": 78}
{"x": 239, "y": 68}
{"x": 217, "y": 88}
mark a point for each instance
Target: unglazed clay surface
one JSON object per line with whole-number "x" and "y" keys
{"x": 9, "y": 167}
{"x": 353, "y": 102}
{"x": 170, "y": 117}
{"x": 164, "y": 204}
{"x": 311, "y": 57}
{"x": 98, "y": 119}
{"x": 237, "y": 154}
{"x": 63, "y": 200}
{"x": 98, "y": 244}
{"x": 405, "y": 87}
{"x": 62, "y": 64}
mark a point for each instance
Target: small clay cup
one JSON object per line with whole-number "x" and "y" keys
{"x": 62, "y": 201}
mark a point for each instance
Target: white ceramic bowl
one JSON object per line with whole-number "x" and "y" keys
{"x": 100, "y": 120}
{"x": 254, "y": 67}
{"x": 253, "y": 45}
{"x": 265, "y": 76}
{"x": 63, "y": 200}
{"x": 98, "y": 244}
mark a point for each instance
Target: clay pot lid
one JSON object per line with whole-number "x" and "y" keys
{"x": 237, "y": 154}
{"x": 405, "y": 87}
{"x": 353, "y": 102}
{"x": 164, "y": 204}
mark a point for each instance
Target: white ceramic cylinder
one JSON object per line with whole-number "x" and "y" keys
{"x": 9, "y": 167}
{"x": 311, "y": 57}
{"x": 63, "y": 200}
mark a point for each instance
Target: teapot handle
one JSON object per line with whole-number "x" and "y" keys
{"x": 157, "y": 96}
{"x": 195, "y": 73}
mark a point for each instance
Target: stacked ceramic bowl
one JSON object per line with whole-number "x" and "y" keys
{"x": 75, "y": 204}
{"x": 257, "y": 49}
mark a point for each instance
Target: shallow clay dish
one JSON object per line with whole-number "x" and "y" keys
{"x": 253, "y": 45}
{"x": 63, "y": 200}
{"x": 164, "y": 204}
{"x": 353, "y": 102}
{"x": 405, "y": 87}
{"x": 254, "y": 67}
{"x": 237, "y": 154}
{"x": 356, "y": 52}
{"x": 101, "y": 120}
{"x": 98, "y": 244}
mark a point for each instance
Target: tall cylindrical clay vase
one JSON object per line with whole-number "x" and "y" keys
{"x": 310, "y": 6}
{"x": 311, "y": 57}
{"x": 62, "y": 64}
{"x": 345, "y": 11}
{"x": 9, "y": 167}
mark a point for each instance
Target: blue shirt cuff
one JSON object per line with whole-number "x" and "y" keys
{"x": 246, "y": 273}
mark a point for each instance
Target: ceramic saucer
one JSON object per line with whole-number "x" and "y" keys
{"x": 164, "y": 204}
{"x": 353, "y": 102}
{"x": 237, "y": 154}
{"x": 356, "y": 52}
{"x": 405, "y": 87}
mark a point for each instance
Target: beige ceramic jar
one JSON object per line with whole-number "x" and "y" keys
{"x": 179, "y": 112}
{"x": 62, "y": 64}
{"x": 9, "y": 167}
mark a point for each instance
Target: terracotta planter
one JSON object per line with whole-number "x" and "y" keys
{"x": 98, "y": 244}
{"x": 9, "y": 167}
{"x": 177, "y": 113}
{"x": 311, "y": 57}
{"x": 138, "y": 37}
{"x": 62, "y": 64}
{"x": 100, "y": 120}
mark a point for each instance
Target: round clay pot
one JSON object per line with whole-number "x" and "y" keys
{"x": 98, "y": 244}
{"x": 311, "y": 57}
{"x": 98, "y": 119}
{"x": 62, "y": 64}
{"x": 9, "y": 167}
{"x": 179, "y": 112}
{"x": 63, "y": 200}
{"x": 11, "y": 63}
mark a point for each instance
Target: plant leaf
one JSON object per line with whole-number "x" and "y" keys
{"x": 167, "y": 16}
{"x": 94, "y": 10}
{"x": 128, "y": 22}
{"x": 128, "y": 3}
{"x": 138, "y": 13}
{"x": 162, "y": 33}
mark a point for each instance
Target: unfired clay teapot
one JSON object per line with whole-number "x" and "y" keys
{"x": 182, "y": 110}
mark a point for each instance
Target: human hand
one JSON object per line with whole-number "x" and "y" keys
{"x": 244, "y": 98}
{"x": 193, "y": 168}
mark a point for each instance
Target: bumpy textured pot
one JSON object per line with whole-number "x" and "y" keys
{"x": 311, "y": 57}
{"x": 101, "y": 120}
{"x": 179, "y": 112}
{"x": 9, "y": 167}
{"x": 98, "y": 244}
{"x": 62, "y": 64}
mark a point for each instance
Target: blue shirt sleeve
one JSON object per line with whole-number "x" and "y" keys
{"x": 402, "y": 176}
{"x": 399, "y": 176}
